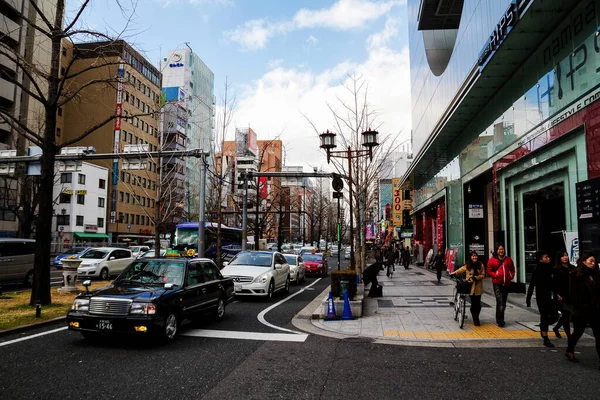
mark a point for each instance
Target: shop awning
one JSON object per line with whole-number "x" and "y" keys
{"x": 84, "y": 235}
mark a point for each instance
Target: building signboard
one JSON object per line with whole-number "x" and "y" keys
{"x": 90, "y": 228}
{"x": 475, "y": 211}
{"x": 397, "y": 203}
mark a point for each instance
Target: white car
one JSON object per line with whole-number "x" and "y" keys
{"x": 103, "y": 262}
{"x": 334, "y": 250}
{"x": 138, "y": 250}
{"x": 297, "y": 248}
{"x": 307, "y": 249}
{"x": 258, "y": 273}
{"x": 297, "y": 270}
{"x": 151, "y": 253}
{"x": 347, "y": 254}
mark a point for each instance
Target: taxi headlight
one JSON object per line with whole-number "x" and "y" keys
{"x": 81, "y": 305}
{"x": 261, "y": 279}
{"x": 142, "y": 308}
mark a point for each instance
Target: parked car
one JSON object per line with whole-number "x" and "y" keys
{"x": 73, "y": 251}
{"x": 347, "y": 254}
{"x": 297, "y": 272}
{"x": 307, "y": 250}
{"x": 334, "y": 250}
{"x": 150, "y": 253}
{"x": 258, "y": 273}
{"x": 138, "y": 250}
{"x": 297, "y": 248}
{"x": 104, "y": 262}
{"x": 315, "y": 263}
{"x": 153, "y": 296}
{"x": 16, "y": 260}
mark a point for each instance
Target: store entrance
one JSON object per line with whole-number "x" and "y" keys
{"x": 544, "y": 220}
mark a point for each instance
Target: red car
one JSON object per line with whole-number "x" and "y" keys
{"x": 315, "y": 264}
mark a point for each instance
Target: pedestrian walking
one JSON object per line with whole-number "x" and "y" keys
{"x": 370, "y": 276}
{"x": 390, "y": 260}
{"x": 396, "y": 256}
{"x": 560, "y": 281}
{"x": 474, "y": 272}
{"x": 502, "y": 270}
{"x": 406, "y": 258}
{"x": 438, "y": 264}
{"x": 584, "y": 289}
{"x": 377, "y": 254}
{"x": 542, "y": 281}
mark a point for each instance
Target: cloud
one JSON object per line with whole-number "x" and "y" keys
{"x": 311, "y": 41}
{"x": 229, "y": 3}
{"x": 273, "y": 104}
{"x": 343, "y": 15}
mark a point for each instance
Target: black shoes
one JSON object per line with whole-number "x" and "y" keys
{"x": 547, "y": 342}
{"x": 571, "y": 357}
{"x": 501, "y": 324}
{"x": 557, "y": 333}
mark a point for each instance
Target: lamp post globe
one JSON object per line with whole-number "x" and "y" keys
{"x": 370, "y": 138}
{"x": 327, "y": 140}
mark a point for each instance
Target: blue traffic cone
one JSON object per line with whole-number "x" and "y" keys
{"x": 331, "y": 315}
{"x": 347, "y": 310}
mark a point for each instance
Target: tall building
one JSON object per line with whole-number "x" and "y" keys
{"x": 505, "y": 126}
{"x": 33, "y": 48}
{"x": 133, "y": 102}
{"x": 186, "y": 78}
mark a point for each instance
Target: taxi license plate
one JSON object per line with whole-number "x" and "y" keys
{"x": 238, "y": 288}
{"x": 104, "y": 325}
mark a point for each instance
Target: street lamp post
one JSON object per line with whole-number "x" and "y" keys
{"x": 328, "y": 143}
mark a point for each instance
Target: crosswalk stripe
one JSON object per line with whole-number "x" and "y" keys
{"x": 219, "y": 334}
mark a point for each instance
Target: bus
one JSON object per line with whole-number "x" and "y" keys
{"x": 185, "y": 237}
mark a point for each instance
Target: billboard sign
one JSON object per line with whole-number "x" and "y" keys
{"x": 397, "y": 203}
{"x": 252, "y": 144}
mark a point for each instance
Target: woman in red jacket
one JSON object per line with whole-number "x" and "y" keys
{"x": 502, "y": 270}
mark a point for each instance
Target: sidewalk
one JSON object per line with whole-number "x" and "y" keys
{"x": 416, "y": 310}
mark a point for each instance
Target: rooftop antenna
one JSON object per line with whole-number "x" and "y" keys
{"x": 188, "y": 46}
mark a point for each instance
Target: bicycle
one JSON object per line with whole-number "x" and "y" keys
{"x": 461, "y": 290}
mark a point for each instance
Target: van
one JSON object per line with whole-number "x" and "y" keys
{"x": 16, "y": 260}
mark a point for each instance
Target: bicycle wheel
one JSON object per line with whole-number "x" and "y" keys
{"x": 456, "y": 303}
{"x": 462, "y": 309}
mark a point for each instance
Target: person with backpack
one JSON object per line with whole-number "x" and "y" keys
{"x": 502, "y": 270}
{"x": 584, "y": 288}
{"x": 474, "y": 272}
{"x": 541, "y": 280}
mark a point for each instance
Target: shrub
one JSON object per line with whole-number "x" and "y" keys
{"x": 343, "y": 275}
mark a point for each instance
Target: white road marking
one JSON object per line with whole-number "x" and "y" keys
{"x": 261, "y": 316}
{"x": 9, "y": 342}
{"x": 278, "y": 337}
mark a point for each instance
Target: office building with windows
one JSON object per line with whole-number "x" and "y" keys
{"x": 505, "y": 126}
{"x": 188, "y": 81}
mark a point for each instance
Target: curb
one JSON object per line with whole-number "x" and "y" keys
{"x": 29, "y": 327}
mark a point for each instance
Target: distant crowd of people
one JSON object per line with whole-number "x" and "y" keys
{"x": 564, "y": 294}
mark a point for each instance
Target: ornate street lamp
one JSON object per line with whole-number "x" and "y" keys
{"x": 369, "y": 140}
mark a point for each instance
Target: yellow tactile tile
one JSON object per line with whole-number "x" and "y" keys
{"x": 485, "y": 331}
{"x": 390, "y": 332}
{"x": 406, "y": 334}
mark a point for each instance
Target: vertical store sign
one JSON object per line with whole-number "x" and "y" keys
{"x": 117, "y": 136}
{"x": 397, "y": 203}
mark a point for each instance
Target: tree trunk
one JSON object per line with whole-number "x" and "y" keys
{"x": 41, "y": 271}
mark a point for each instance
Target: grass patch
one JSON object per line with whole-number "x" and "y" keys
{"x": 15, "y": 310}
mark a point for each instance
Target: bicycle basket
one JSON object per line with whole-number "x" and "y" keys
{"x": 463, "y": 287}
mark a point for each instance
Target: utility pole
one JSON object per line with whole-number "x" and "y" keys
{"x": 245, "y": 212}
{"x": 201, "y": 216}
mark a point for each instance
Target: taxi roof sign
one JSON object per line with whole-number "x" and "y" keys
{"x": 172, "y": 253}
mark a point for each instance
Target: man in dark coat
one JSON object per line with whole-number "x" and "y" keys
{"x": 390, "y": 256}
{"x": 370, "y": 276}
{"x": 541, "y": 280}
{"x": 438, "y": 264}
{"x": 406, "y": 258}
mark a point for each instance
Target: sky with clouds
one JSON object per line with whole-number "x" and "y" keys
{"x": 282, "y": 58}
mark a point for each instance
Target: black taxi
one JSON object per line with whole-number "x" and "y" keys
{"x": 152, "y": 296}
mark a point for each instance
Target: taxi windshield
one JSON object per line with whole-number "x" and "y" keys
{"x": 154, "y": 272}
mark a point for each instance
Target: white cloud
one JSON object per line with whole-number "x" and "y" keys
{"x": 343, "y": 15}
{"x": 311, "y": 41}
{"x": 167, "y": 3}
{"x": 273, "y": 104}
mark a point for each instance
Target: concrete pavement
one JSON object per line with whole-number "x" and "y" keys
{"x": 416, "y": 310}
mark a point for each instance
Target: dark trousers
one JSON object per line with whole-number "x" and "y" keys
{"x": 564, "y": 319}
{"x": 501, "y": 293}
{"x": 475, "y": 308}
{"x": 439, "y": 274}
{"x": 578, "y": 331}
{"x": 406, "y": 262}
{"x": 547, "y": 313}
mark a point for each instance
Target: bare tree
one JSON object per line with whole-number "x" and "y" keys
{"x": 224, "y": 119}
{"x": 352, "y": 115}
{"x": 51, "y": 87}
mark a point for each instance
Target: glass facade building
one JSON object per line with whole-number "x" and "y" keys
{"x": 505, "y": 124}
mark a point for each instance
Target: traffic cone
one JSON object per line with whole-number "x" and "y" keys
{"x": 331, "y": 315}
{"x": 347, "y": 310}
